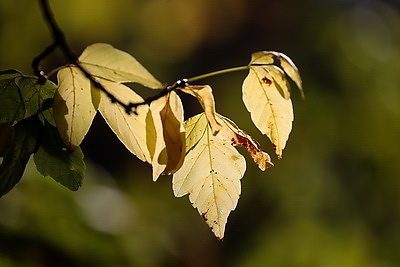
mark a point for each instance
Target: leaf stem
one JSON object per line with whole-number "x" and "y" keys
{"x": 218, "y": 72}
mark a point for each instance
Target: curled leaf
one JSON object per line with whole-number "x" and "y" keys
{"x": 210, "y": 174}
{"x": 204, "y": 95}
{"x": 167, "y": 115}
{"x": 73, "y": 107}
{"x": 231, "y": 132}
{"x": 265, "y": 58}
{"x": 106, "y": 62}
{"x": 291, "y": 70}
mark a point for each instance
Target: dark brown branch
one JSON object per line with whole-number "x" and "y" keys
{"x": 60, "y": 41}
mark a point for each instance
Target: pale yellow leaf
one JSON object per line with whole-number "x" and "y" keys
{"x": 291, "y": 70}
{"x": 263, "y": 58}
{"x": 276, "y": 75}
{"x": 210, "y": 174}
{"x": 204, "y": 95}
{"x": 106, "y": 62}
{"x": 268, "y": 58}
{"x": 270, "y": 111}
{"x": 237, "y": 137}
{"x": 129, "y": 128}
{"x": 169, "y": 152}
{"x": 73, "y": 107}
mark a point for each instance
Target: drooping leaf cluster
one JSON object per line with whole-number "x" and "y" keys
{"x": 50, "y": 121}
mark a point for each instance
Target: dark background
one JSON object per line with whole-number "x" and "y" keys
{"x": 334, "y": 198}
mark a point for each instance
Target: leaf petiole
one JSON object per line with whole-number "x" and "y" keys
{"x": 218, "y": 72}
{"x": 54, "y": 71}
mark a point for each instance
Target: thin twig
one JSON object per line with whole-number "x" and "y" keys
{"x": 59, "y": 40}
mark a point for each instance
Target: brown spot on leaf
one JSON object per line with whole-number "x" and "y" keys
{"x": 261, "y": 158}
{"x": 266, "y": 81}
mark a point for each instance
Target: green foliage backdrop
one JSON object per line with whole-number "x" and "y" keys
{"x": 333, "y": 200}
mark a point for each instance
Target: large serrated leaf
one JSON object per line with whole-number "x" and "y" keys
{"x": 15, "y": 160}
{"x": 107, "y": 62}
{"x": 52, "y": 159}
{"x": 211, "y": 175}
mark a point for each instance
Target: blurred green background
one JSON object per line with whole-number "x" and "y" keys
{"x": 334, "y": 198}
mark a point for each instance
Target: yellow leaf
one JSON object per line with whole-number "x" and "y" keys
{"x": 291, "y": 70}
{"x": 129, "y": 128}
{"x": 106, "y": 62}
{"x": 204, "y": 95}
{"x": 169, "y": 152}
{"x": 232, "y": 133}
{"x": 267, "y": 58}
{"x": 74, "y": 107}
{"x": 271, "y": 113}
{"x": 266, "y": 95}
{"x": 210, "y": 174}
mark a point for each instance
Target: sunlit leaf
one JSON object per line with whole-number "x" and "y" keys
{"x": 73, "y": 107}
{"x": 210, "y": 174}
{"x": 204, "y": 95}
{"x": 167, "y": 114}
{"x": 232, "y": 133}
{"x": 266, "y": 96}
{"x": 129, "y": 128}
{"x": 291, "y": 70}
{"x": 16, "y": 158}
{"x": 265, "y": 58}
{"x": 51, "y": 159}
{"x": 107, "y": 62}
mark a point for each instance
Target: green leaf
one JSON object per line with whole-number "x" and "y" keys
{"x": 37, "y": 97}
{"x": 21, "y": 97}
{"x": 107, "y": 62}
{"x": 35, "y": 94}
{"x": 54, "y": 160}
{"x": 11, "y": 103}
{"x": 10, "y": 72}
{"x": 7, "y": 134}
{"x": 15, "y": 160}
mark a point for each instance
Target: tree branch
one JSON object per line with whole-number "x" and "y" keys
{"x": 60, "y": 41}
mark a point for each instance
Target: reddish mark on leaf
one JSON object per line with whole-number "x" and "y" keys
{"x": 261, "y": 158}
{"x": 266, "y": 81}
